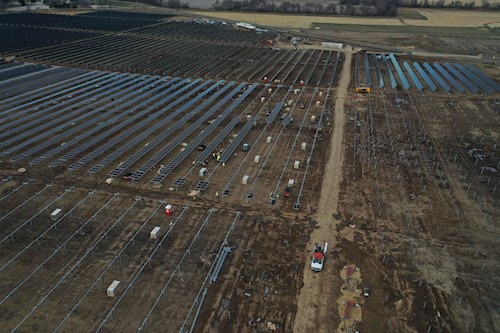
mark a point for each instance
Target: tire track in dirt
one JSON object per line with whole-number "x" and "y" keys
{"x": 316, "y": 305}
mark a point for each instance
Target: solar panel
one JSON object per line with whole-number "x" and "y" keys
{"x": 438, "y": 78}
{"x": 201, "y": 186}
{"x": 286, "y": 120}
{"x": 51, "y": 128}
{"x": 49, "y": 110}
{"x": 379, "y": 73}
{"x": 462, "y": 78}
{"x": 99, "y": 128}
{"x": 424, "y": 75}
{"x": 414, "y": 78}
{"x": 484, "y": 77}
{"x": 448, "y": 77}
{"x": 216, "y": 141}
{"x": 130, "y": 120}
{"x": 368, "y": 78}
{"x": 389, "y": 72}
{"x": 179, "y": 181}
{"x": 274, "y": 113}
{"x": 404, "y": 81}
{"x": 484, "y": 87}
{"x": 228, "y": 152}
{"x": 134, "y": 158}
{"x": 356, "y": 71}
{"x": 166, "y": 171}
{"x": 24, "y": 101}
{"x": 144, "y": 134}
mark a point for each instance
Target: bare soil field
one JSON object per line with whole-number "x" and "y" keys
{"x": 424, "y": 207}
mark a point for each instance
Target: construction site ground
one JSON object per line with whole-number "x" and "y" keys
{"x": 401, "y": 184}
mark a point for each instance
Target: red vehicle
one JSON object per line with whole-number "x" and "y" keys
{"x": 288, "y": 192}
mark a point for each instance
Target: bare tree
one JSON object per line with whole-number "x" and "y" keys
{"x": 4, "y": 4}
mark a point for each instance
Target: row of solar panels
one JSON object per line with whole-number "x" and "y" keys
{"x": 107, "y": 114}
{"x": 462, "y": 77}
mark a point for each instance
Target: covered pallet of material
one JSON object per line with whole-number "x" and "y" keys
{"x": 56, "y": 214}
{"x": 154, "y": 233}
{"x": 296, "y": 165}
{"x": 244, "y": 180}
{"x": 112, "y": 288}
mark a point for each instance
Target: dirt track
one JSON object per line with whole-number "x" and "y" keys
{"x": 316, "y": 307}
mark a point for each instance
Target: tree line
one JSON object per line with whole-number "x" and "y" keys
{"x": 452, "y": 4}
{"x": 342, "y": 7}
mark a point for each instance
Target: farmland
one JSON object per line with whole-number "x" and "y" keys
{"x": 112, "y": 116}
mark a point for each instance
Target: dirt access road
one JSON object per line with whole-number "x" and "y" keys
{"x": 316, "y": 306}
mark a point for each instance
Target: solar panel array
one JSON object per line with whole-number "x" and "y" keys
{"x": 462, "y": 78}
{"x": 274, "y": 113}
{"x": 215, "y": 142}
{"x": 438, "y": 78}
{"x": 166, "y": 171}
{"x": 134, "y": 158}
{"x": 356, "y": 71}
{"x": 194, "y": 144}
{"x": 395, "y": 63}
{"x": 389, "y": 72}
{"x": 368, "y": 78}
{"x": 448, "y": 77}
{"x": 35, "y": 96}
{"x": 228, "y": 152}
{"x": 414, "y": 78}
{"x": 51, "y": 100}
{"x": 484, "y": 87}
{"x": 118, "y": 109}
{"x": 379, "y": 73}
{"x": 136, "y": 140}
{"x": 51, "y": 127}
{"x": 129, "y": 120}
{"x": 130, "y": 115}
{"x": 484, "y": 77}
{"x": 166, "y": 150}
{"x": 424, "y": 75}
{"x": 467, "y": 75}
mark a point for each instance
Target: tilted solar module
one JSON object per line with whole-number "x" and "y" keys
{"x": 484, "y": 77}
{"x": 194, "y": 144}
{"x": 368, "y": 78}
{"x": 157, "y": 179}
{"x": 438, "y": 78}
{"x": 484, "y": 87}
{"x": 274, "y": 113}
{"x": 161, "y": 138}
{"x": 235, "y": 143}
{"x": 392, "y": 79}
{"x": 448, "y": 77}
{"x": 462, "y": 78}
{"x": 379, "y": 73}
{"x": 117, "y": 152}
{"x": 395, "y": 63}
{"x": 424, "y": 75}
{"x": 414, "y": 78}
